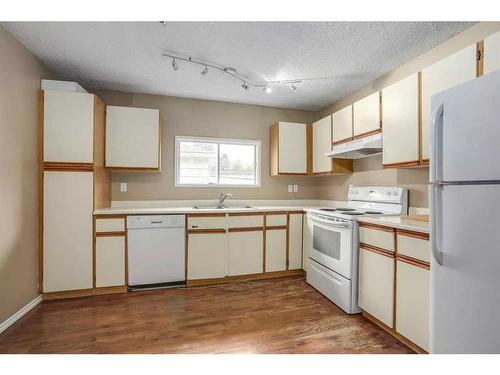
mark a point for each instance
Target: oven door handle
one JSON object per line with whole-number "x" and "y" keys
{"x": 332, "y": 224}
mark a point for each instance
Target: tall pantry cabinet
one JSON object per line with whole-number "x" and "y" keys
{"x": 73, "y": 182}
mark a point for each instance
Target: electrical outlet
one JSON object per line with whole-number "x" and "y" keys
{"x": 295, "y": 188}
{"x": 290, "y": 188}
{"x": 123, "y": 187}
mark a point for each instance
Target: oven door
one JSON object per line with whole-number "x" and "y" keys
{"x": 332, "y": 245}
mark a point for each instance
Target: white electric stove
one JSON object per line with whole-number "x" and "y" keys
{"x": 333, "y": 232}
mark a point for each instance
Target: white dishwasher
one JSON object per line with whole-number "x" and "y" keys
{"x": 156, "y": 250}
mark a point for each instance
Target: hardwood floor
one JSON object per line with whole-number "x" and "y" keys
{"x": 269, "y": 316}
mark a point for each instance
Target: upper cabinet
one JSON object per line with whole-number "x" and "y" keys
{"x": 288, "y": 148}
{"x": 366, "y": 115}
{"x": 447, "y": 73}
{"x": 133, "y": 140}
{"x": 68, "y": 127}
{"x": 342, "y": 125}
{"x": 491, "y": 53}
{"x": 401, "y": 122}
{"x": 321, "y": 144}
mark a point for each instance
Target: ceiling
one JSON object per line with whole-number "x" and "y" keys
{"x": 126, "y": 56}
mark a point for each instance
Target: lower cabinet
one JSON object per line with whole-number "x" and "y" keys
{"x": 245, "y": 252}
{"x": 109, "y": 261}
{"x": 206, "y": 255}
{"x": 376, "y": 284}
{"x": 276, "y": 250}
{"x": 412, "y": 302}
{"x": 295, "y": 241}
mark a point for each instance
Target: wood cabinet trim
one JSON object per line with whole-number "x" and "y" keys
{"x": 408, "y": 233}
{"x": 110, "y": 234}
{"x": 420, "y": 117}
{"x": 64, "y": 166}
{"x": 84, "y": 292}
{"x": 480, "y": 58}
{"x": 110, "y": 216}
{"x": 255, "y": 276}
{"x": 403, "y": 164}
{"x": 366, "y": 134}
{"x": 413, "y": 261}
{"x": 377, "y": 227}
{"x": 309, "y": 149}
{"x": 206, "y": 215}
{"x": 206, "y": 231}
{"x": 378, "y": 250}
{"x": 131, "y": 169}
{"x": 245, "y": 213}
{"x": 246, "y": 229}
{"x": 277, "y": 227}
{"x": 345, "y": 140}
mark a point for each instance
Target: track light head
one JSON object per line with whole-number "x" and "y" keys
{"x": 204, "y": 71}
{"x": 268, "y": 89}
{"x": 245, "y": 86}
{"x": 174, "y": 64}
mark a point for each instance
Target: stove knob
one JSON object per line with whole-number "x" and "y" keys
{"x": 394, "y": 193}
{"x": 388, "y": 193}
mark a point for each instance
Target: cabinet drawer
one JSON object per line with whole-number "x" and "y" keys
{"x": 207, "y": 222}
{"x": 110, "y": 261}
{"x": 275, "y": 220}
{"x": 240, "y": 221}
{"x": 110, "y": 225}
{"x": 381, "y": 238}
{"x": 413, "y": 246}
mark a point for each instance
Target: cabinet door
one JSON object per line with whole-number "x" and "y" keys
{"x": 376, "y": 285}
{"x": 447, "y": 73}
{"x": 68, "y": 127}
{"x": 67, "y": 230}
{"x": 322, "y": 143}
{"x": 367, "y": 114}
{"x": 109, "y": 261}
{"x": 275, "y": 250}
{"x": 295, "y": 242}
{"x": 292, "y": 148}
{"x": 342, "y": 124}
{"x": 400, "y": 108}
{"x": 412, "y": 303}
{"x": 245, "y": 252}
{"x": 206, "y": 255}
{"x": 491, "y": 53}
{"x": 132, "y": 137}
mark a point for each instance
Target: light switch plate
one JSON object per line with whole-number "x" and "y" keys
{"x": 295, "y": 188}
{"x": 123, "y": 187}
{"x": 290, "y": 188}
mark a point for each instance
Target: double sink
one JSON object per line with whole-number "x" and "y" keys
{"x": 221, "y": 205}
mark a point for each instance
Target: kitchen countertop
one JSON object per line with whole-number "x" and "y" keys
{"x": 191, "y": 210}
{"x": 416, "y": 223}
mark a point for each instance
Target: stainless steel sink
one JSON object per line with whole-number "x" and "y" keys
{"x": 224, "y": 207}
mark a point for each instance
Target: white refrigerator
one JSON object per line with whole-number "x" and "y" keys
{"x": 464, "y": 201}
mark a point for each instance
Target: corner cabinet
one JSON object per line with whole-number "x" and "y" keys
{"x": 289, "y": 149}
{"x": 401, "y": 106}
{"x": 133, "y": 139}
{"x": 447, "y": 73}
{"x": 321, "y": 144}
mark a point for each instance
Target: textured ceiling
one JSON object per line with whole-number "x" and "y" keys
{"x": 126, "y": 56}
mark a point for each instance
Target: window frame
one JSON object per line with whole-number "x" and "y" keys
{"x": 218, "y": 141}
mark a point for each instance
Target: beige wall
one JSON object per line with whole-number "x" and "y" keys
{"x": 369, "y": 171}
{"x": 20, "y": 75}
{"x": 194, "y": 117}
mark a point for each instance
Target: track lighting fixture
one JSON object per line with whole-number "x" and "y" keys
{"x": 266, "y": 86}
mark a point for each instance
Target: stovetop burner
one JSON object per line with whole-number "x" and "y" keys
{"x": 373, "y": 212}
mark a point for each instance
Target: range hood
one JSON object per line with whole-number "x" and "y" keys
{"x": 358, "y": 148}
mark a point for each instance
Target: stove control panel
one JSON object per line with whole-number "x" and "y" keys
{"x": 380, "y": 194}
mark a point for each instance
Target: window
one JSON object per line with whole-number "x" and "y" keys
{"x": 216, "y": 162}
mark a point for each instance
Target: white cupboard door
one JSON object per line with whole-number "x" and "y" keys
{"x": 68, "y": 127}
{"x": 342, "y": 124}
{"x": 67, "y": 230}
{"x": 275, "y": 250}
{"x": 245, "y": 252}
{"x": 322, "y": 143}
{"x": 447, "y": 73}
{"x": 109, "y": 261}
{"x": 376, "y": 285}
{"x": 295, "y": 242}
{"x": 412, "y": 303}
{"x": 367, "y": 114}
{"x": 400, "y": 107}
{"x": 491, "y": 53}
{"x": 132, "y": 137}
{"x": 206, "y": 255}
{"x": 292, "y": 148}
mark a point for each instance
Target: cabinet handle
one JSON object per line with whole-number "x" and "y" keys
{"x": 156, "y": 222}
{"x": 194, "y": 226}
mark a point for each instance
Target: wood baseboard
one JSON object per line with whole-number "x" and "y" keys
{"x": 84, "y": 292}
{"x": 19, "y": 314}
{"x": 417, "y": 349}
{"x": 256, "y": 276}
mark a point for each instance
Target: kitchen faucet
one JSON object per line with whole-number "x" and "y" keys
{"x": 222, "y": 198}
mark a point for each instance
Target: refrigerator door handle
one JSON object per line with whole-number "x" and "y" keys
{"x": 435, "y": 212}
{"x": 435, "y": 160}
